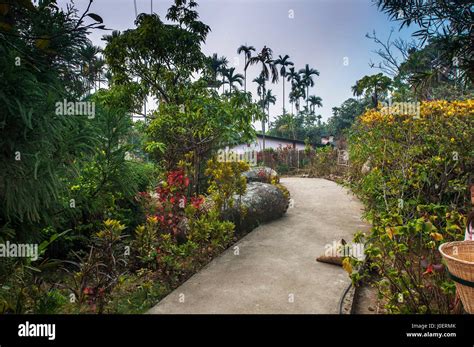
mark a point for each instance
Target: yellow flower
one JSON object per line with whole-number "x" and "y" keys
{"x": 437, "y": 236}
{"x": 152, "y": 219}
{"x": 346, "y": 265}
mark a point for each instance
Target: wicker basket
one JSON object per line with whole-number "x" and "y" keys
{"x": 459, "y": 257}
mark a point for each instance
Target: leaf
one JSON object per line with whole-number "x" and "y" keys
{"x": 390, "y": 232}
{"x": 42, "y": 43}
{"x": 96, "y": 17}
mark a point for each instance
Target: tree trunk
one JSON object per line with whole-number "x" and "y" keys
{"x": 245, "y": 75}
{"x": 283, "y": 95}
{"x": 196, "y": 170}
{"x": 263, "y": 121}
{"x": 307, "y": 95}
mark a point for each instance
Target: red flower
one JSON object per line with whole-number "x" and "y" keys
{"x": 197, "y": 201}
{"x": 88, "y": 291}
{"x": 429, "y": 270}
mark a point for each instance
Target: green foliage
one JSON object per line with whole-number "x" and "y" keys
{"x": 163, "y": 56}
{"x": 412, "y": 175}
{"x": 374, "y": 86}
{"x": 345, "y": 115}
{"x": 225, "y": 181}
{"x": 450, "y": 22}
{"x": 37, "y": 145}
{"x": 405, "y": 255}
{"x": 434, "y": 72}
{"x": 98, "y": 272}
{"x": 204, "y": 123}
{"x": 306, "y": 125}
{"x": 24, "y": 287}
{"x": 207, "y": 236}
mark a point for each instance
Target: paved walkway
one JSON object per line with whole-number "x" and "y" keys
{"x": 273, "y": 268}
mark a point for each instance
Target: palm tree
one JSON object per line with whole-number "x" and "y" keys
{"x": 98, "y": 70}
{"x": 89, "y": 57}
{"x": 247, "y": 50}
{"x": 298, "y": 90}
{"x": 288, "y": 124}
{"x": 230, "y": 78}
{"x": 265, "y": 58}
{"x": 260, "y": 80}
{"x": 268, "y": 64}
{"x": 292, "y": 76}
{"x": 307, "y": 79}
{"x": 374, "y": 85}
{"x": 314, "y": 101}
{"x": 283, "y": 62}
{"x": 267, "y": 99}
{"x": 217, "y": 65}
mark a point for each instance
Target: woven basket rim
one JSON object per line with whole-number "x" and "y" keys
{"x": 453, "y": 243}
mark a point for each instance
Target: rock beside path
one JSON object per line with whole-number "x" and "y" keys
{"x": 260, "y": 174}
{"x": 262, "y": 202}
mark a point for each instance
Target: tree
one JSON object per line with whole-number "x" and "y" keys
{"x": 39, "y": 144}
{"x": 345, "y": 115}
{"x": 307, "y": 79}
{"x": 298, "y": 90}
{"x": 162, "y": 57}
{"x": 268, "y": 69}
{"x": 92, "y": 63}
{"x": 284, "y": 63}
{"x": 285, "y": 125}
{"x": 268, "y": 99}
{"x": 432, "y": 72}
{"x": 267, "y": 63}
{"x": 230, "y": 78}
{"x": 449, "y": 20}
{"x": 392, "y": 53}
{"x": 374, "y": 85}
{"x": 247, "y": 50}
{"x": 293, "y": 77}
{"x": 206, "y": 123}
{"x": 260, "y": 80}
{"x": 216, "y": 65}
{"x": 314, "y": 101}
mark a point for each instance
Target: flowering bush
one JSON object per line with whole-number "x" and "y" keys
{"x": 225, "y": 181}
{"x": 412, "y": 174}
{"x": 180, "y": 234}
{"x": 101, "y": 269}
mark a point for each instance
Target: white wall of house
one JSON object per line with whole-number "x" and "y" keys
{"x": 269, "y": 143}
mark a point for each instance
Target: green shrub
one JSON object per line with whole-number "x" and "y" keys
{"x": 412, "y": 174}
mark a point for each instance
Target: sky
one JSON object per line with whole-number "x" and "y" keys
{"x": 329, "y": 35}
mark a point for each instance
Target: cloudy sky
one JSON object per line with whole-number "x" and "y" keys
{"x": 322, "y": 33}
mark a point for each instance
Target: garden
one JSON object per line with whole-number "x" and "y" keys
{"x": 123, "y": 203}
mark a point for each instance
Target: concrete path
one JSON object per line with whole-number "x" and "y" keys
{"x": 273, "y": 269}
